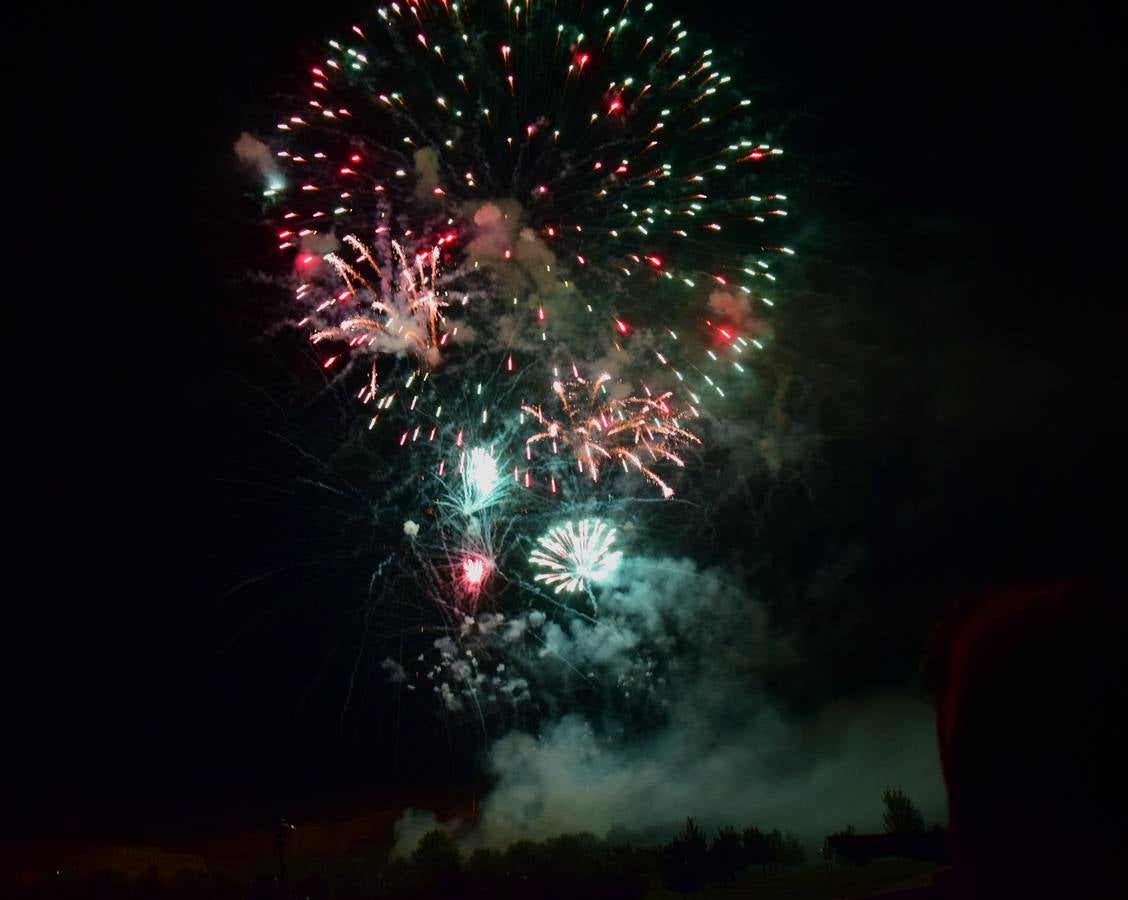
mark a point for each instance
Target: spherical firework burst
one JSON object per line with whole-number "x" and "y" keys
{"x": 593, "y": 178}
{"x": 576, "y": 556}
{"x": 620, "y": 136}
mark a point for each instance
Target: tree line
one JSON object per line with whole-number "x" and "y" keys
{"x": 557, "y": 868}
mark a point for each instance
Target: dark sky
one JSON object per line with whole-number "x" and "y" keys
{"x": 966, "y": 188}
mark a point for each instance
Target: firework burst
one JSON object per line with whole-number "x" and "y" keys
{"x": 376, "y": 313}
{"x": 576, "y": 556}
{"x": 637, "y": 432}
{"x": 556, "y": 153}
{"x": 477, "y": 198}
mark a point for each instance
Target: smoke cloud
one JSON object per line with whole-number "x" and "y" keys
{"x": 737, "y": 309}
{"x": 410, "y": 828}
{"x": 427, "y": 173}
{"x": 687, "y": 651}
{"x": 319, "y": 244}
{"x": 523, "y": 264}
{"x": 719, "y": 764}
{"x": 255, "y": 153}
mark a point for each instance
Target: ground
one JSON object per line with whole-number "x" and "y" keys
{"x": 821, "y": 882}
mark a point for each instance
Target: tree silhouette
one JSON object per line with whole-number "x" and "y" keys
{"x": 726, "y": 855}
{"x": 396, "y": 874}
{"x": 522, "y": 857}
{"x": 792, "y": 852}
{"x": 436, "y": 865}
{"x": 832, "y": 846}
{"x": 436, "y": 854}
{"x": 685, "y": 859}
{"x": 901, "y": 815}
{"x": 757, "y": 848}
{"x": 775, "y": 847}
{"x": 568, "y": 865}
{"x": 485, "y": 870}
{"x": 624, "y": 875}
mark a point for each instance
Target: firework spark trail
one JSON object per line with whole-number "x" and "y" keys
{"x": 406, "y": 317}
{"x": 599, "y": 430}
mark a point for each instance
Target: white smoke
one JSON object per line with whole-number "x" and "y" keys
{"x": 410, "y": 828}
{"x": 319, "y": 244}
{"x": 427, "y": 173}
{"x": 523, "y": 265}
{"x": 397, "y": 674}
{"x": 742, "y": 763}
{"x": 691, "y": 646}
{"x": 255, "y": 153}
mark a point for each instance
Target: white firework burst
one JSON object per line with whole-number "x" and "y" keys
{"x": 481, "y": 484}
{"x": 576, "y": 555}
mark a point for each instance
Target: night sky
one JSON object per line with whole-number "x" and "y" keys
{"x": 958, "y": 221}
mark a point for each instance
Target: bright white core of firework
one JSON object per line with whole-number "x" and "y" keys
{"x": 481, "y": 486}
{"x": 474, "y": 571}
{"x": 576, "y": 555}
